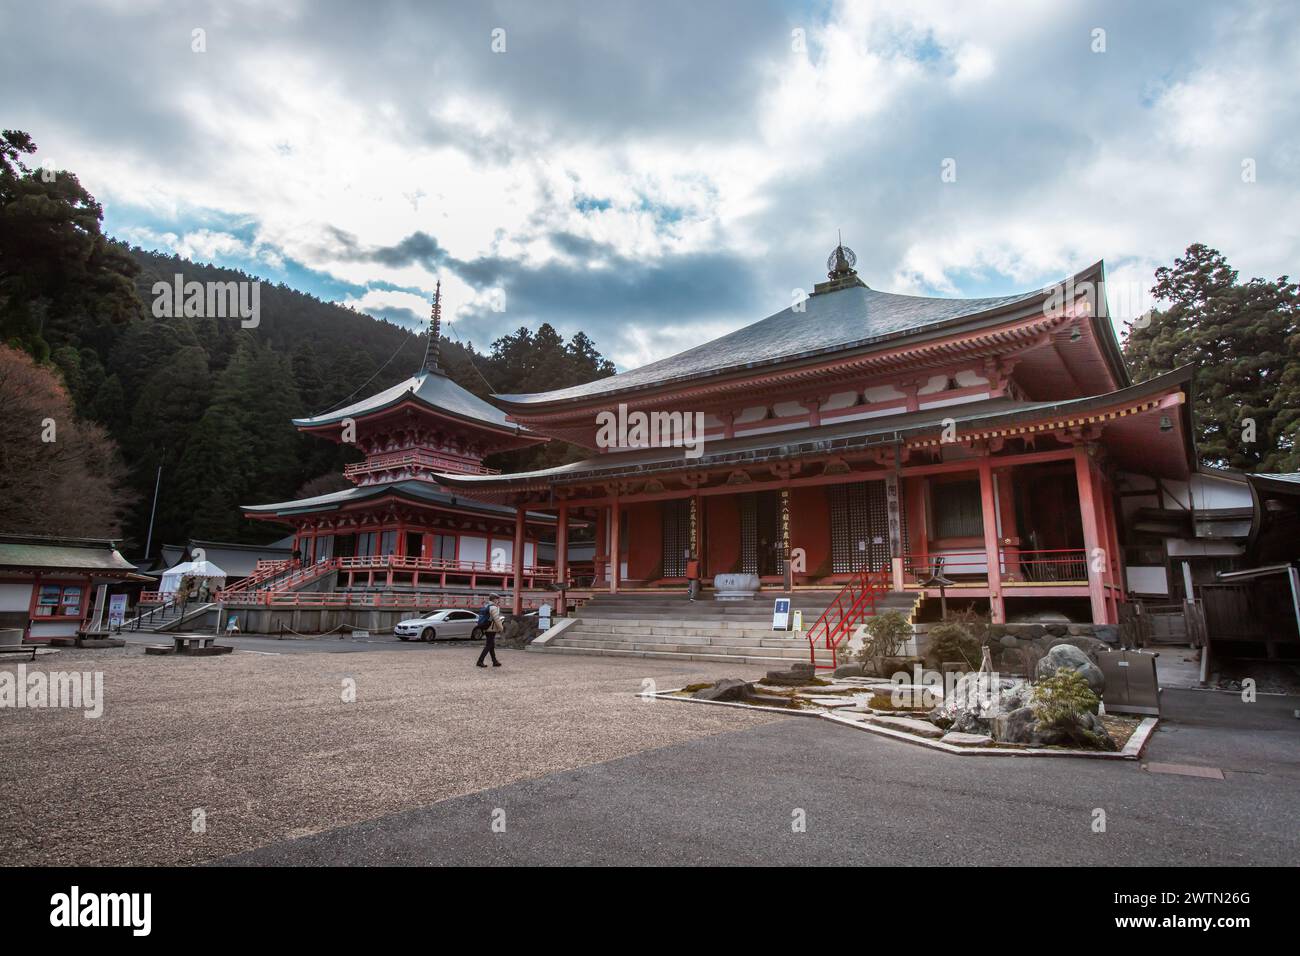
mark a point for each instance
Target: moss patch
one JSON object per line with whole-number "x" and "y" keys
{"x": 1120, "y": 728}
{"x": 885, "y": 702}
{"x": 810, "y": 682}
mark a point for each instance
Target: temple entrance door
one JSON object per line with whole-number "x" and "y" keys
{"x": 676, "y": 517}
{"x": 344, "y": 545}
{"x": 859, "y": 527}
{"x": 1047, "y": 504}
{"x": 760, "y": 533}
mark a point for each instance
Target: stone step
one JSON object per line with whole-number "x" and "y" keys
{"x": 632, "y": 625}
{"x": 760, "y": 661}
{"x": 689, "y": 635}
{"x": 700, "y": 609}
{"x": 687, "y": 640}
{"x": 704, "y": 650}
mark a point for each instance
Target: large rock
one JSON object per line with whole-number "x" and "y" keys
{"x": 1015, "y": 726}
{"x": 1021, "y": 727}
{"x": 966, "y": 740}
{"x": 850, "y": 670}
{"x": 729, "y": 688}
{"x": 800, "y": 673}
{"x": 1070, "y": 657}
{"x": 984, "y": 696}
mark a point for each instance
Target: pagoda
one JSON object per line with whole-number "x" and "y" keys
{"x": 398, "y": 527}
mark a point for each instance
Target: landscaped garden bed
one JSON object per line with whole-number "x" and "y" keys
{"x": 1061, "y": 712}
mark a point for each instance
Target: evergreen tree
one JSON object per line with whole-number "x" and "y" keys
{"x": 1243, "y": 340}
{"x": 243, "y": 450}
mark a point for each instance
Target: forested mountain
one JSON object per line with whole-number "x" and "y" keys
{"x": 209, "y": 401}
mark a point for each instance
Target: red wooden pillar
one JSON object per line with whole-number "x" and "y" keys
{"x": 602, "y": 545}
{"x": 562, "y": 547}
{"x": 994, "y": 560}
{"x": 1093, "y": 536}
{"x": 518, "y": 606}
{"x": 614, "y": 544}
{"x": 1116, "y": 563}
{"x": 701, "y": 542}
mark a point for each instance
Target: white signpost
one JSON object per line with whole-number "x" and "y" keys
{"x": 116, "y": 611}
{"x": 781, "y": 614}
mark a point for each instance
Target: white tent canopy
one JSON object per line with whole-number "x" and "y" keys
{"x": 172, "y": 577}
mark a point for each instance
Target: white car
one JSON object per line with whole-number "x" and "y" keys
{"x": 448, "y": 623}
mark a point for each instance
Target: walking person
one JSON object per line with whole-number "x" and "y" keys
{"x": 692, "y": 578}
{"x": 491, "y": 624}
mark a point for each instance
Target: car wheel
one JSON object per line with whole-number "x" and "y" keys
{"x": 476, "y": 634}
{"x": 403, "y": 637}
{"x": 427, "y": 635}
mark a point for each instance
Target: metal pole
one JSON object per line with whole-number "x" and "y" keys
{"x": 148, "y": 545}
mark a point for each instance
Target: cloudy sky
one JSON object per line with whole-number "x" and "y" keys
{"x": 657, "y": 173}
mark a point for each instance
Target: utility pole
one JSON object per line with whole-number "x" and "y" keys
{"x": 148, "y": 545}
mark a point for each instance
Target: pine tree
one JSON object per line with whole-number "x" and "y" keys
{"x": 1242, "y": 339}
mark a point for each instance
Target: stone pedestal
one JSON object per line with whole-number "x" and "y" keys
{"x": 734, "y": 587}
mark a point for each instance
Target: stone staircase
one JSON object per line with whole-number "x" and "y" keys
{"x": 165, "y": 617}
{"x": 667, "y": 626}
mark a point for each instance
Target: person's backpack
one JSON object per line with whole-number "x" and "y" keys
{"x": 485, "y": 616}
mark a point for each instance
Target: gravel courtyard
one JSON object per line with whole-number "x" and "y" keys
{"x": 268, "y": 749}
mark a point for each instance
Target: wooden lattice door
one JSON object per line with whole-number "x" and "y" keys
{"x": 859, "y": 527}
{"x": 676, "y": 537}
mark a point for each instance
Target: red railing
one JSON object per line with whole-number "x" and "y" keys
{"x": 417, "y": 459}
{"x": 856, "y": 600}
{"x": 263, "y": 571}
{"x": 286, "y": 583}
{"x": 1036, "y": 566}
{"x": 401, "y": 562}
{"x": 1062, "y": 564}
{"x": 361, "y": 599}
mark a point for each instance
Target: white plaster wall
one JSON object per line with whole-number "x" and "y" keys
{"x": 15, "y": 597}
{"x": 956, "y": 400}
{"x": 936, "y": 383}
{"x": 1147, "y": 580}
{"x": 882, "y": 393}
{"x": 473, "y": 549}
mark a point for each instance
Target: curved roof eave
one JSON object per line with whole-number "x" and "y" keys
{"x": 434, "y": 391}
{"x": 974, "y": 312}
{"x": 1181, "y": 377}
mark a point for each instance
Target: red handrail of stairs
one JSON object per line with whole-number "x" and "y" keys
{"x": 856, "y": 600}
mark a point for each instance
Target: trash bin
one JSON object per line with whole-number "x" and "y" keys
{"x": 1131, "y": 684}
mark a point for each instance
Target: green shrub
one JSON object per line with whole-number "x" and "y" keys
{"x": 1059, "y": 703}
{"x": 952, "y": 642}
{"x": 885, "y": 637}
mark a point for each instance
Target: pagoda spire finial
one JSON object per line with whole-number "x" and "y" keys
{"x": 432, "y": 346}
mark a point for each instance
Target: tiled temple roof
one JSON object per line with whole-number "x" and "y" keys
{"x": 833, "y": 321}
{"x": 431, "y": 388}
{"x": 420, "y": 492}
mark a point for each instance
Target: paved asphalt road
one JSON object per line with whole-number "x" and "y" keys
{"x": 732, "y": 799}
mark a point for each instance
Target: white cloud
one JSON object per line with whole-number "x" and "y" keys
{"x": 689, "y": 133}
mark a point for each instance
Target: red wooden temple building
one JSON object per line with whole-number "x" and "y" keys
{"x": 398, "y": 537}
{"x": 978, "y": 442}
